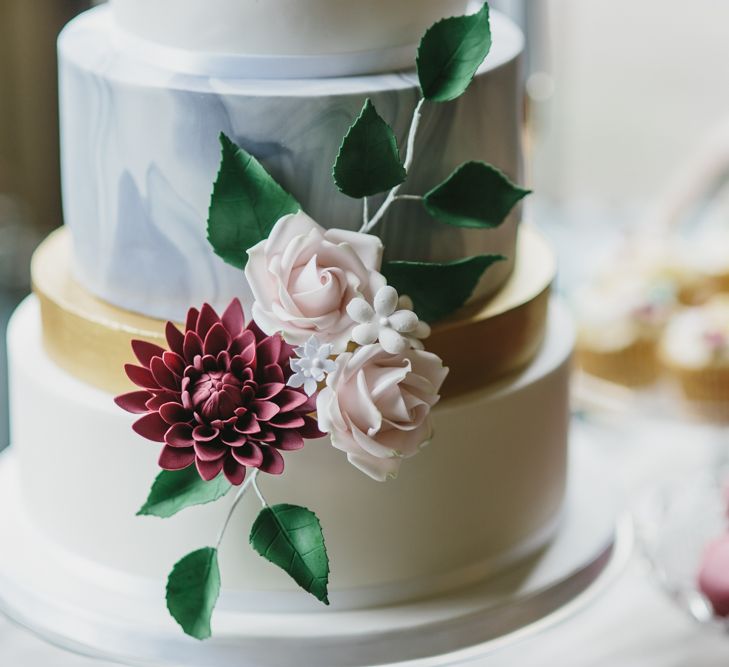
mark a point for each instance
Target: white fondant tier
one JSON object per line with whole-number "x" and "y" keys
{"x": 487, "y": 491}
{"x": 140, "y": 153}
{"x": 288, "y": 27}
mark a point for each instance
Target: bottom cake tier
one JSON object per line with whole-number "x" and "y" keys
{"x": 485, "y": 493}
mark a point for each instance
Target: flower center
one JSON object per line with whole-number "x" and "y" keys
{"x": 384, "y": 322}
{"x": 216, "y": 394}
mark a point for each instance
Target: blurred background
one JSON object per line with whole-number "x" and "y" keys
{"x": 621, "y": 95}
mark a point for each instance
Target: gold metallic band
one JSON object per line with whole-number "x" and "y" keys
{"x": 90, "y": 339}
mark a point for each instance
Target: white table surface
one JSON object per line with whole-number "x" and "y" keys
{"x": 630, "y": 624}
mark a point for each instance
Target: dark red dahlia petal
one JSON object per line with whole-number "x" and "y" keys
{"x": 140, "y": 376}
{"x": 310, "y": 429}
{"x": 208, "y": 363}
{"x": 192, "y": 347}
{"x": 288, "y": 420}
{"x": 256, "y": 331}
{"x": 179, "y": 435}
{"x": 266, "y": 435}
{"x": 273, "y": 373}
{"x": 247, "y": 424}
{"x": 265, "y": 410}
{"x": 288, "y": 441}
{"x": 152, "y": 427}
{"x": 233, "y": 471}
{"x": 173, "y": 413}
{"x": 223, "y": 359}
{"x": 175, "y": 363}
{"x": 187, "y": 400}
{"x": 269, "y": 390}
{"x": 268, "y": 350}
{"x": 232, "y": 438}
{"x": 160, "y": 398}
{"x": 164, "y": 377}
{"x": 273, "y": 462}
{"x": 289, "y": 400}
{"x": 134, "y": 402}
{"x": 210, "y": 451}
{"x": 191, "y": 321}
{"x": 175, "y": 338}
{"x": 145, "y": 351}
{"x": 233, "y": 318}
{"x": 204, "y": 433}
{"x": 216, "y": 340}
{"x": 208, "y": 318}
{"x": 245, "y": 347}
{"x": 249, "y": 455}
{"x": 172, "y": 458}
{"x": 209, "y": 470}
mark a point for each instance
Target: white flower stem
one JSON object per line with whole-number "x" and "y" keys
{"x": 409, "y": 157}
{"x": 251, "y": 481}
{"x": 409, "y": 198}
{"x": 365, "y": 211}
{"x": 262, "y": 500}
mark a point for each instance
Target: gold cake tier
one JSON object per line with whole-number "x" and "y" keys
{"x": 90, "y": 338}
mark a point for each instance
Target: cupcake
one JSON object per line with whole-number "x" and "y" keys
{"x": 700, "y": 263}
{"x": 695, "y": 351}
{"x": 620, "y": 323}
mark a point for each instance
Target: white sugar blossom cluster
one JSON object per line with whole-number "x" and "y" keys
{"x": 312, "y": 365}
{"x": 388, "y": 321}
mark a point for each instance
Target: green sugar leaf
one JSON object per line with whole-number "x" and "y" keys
{"x": 474, "y": 195}
{"x": 173, "y": 491}
{"x": 438, "y": 289}
{"x": 291, "y": 537}
{"x": 451, "y": 52}
{"x": 192, "y": 591}
{"x": 369, "y": 160}
{"x": 245, "y": 205}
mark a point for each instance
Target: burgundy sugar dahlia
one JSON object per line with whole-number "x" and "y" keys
{"x": 218, "y": 397}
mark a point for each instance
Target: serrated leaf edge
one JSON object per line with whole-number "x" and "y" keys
{"x": 213, "y": 559}
{"x": 420, "y": 45}
{"x": 143, "y": 511}
{"x": 283, "y": 530}
{"x": 368, "y": 103}
{"x": 523, "y": 192}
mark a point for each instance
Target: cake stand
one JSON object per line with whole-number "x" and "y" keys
{"x": 107, "y": 617}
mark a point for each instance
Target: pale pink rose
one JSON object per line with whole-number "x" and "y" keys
{"x": 376, "y": 406}
{"x": 303, "y": 277}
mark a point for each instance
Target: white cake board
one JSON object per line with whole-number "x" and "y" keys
{"x": 69, "y": 607}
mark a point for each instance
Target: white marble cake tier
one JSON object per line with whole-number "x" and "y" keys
{"x": 486, "y": 492}
{"x": 140, "y": 153}
{"x": 290, "y": 27}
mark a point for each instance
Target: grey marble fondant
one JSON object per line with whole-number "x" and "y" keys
{"x": 140, "y": 153}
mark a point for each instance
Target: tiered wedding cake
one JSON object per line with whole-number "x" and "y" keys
{"x": 147, "y": 86}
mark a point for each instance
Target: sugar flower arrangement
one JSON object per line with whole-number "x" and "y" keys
{"x": 335, "y": 342}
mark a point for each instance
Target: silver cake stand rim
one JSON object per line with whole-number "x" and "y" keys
{"x": 531, "y": 614}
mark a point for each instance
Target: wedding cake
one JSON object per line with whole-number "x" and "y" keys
{"x": 437, "y": 300}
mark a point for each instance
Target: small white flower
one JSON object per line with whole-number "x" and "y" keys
{"x": 396, "y": 329}
{"x": 312, "y": 366}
